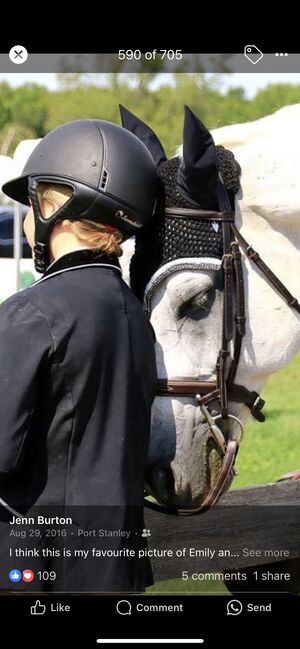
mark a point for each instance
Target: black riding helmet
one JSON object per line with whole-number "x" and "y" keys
{"x": 111, "y": 173}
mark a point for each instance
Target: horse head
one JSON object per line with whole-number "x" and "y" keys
{"x": 180, "y": 272}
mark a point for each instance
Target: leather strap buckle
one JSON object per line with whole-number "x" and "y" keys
{"x": 252, "y": 254}
{"x": 257, "y": 406}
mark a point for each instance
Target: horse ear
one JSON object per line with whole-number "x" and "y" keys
{"x": 144, "y": 133}
{"x": 198, "y": 174}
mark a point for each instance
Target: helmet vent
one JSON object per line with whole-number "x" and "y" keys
{"x": 104, "y": 180}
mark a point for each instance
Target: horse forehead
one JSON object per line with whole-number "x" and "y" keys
{"x": 268, "y": 151}
{"x": 271, "y": 151}
{"x": 265, "y": 143}
{"x": 281, "y": 127}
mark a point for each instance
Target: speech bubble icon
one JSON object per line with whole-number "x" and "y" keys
{"x": 234, "y": 607}
{"x": 123, "y": 607}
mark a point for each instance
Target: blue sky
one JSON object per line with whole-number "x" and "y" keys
{"x": 251, "y": 82}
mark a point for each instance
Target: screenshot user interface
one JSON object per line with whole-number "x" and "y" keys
{"x": 149, "y": 343}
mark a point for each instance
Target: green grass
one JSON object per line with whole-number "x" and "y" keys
{"x": 272, "y": 448}
{"x": 267, "y": 451}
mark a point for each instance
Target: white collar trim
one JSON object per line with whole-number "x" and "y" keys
{"x": 65, "y": 270}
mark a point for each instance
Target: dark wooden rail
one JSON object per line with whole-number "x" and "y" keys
{"x": 257, "y": 525}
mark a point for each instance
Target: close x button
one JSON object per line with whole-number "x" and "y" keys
{"x": 18, "y": 54}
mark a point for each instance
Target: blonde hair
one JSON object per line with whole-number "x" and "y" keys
{"x": 93, "y": 234}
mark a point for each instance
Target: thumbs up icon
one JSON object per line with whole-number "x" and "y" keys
{"x": 38, "y": 608}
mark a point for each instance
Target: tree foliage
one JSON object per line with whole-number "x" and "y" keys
{"x": 31, "y": 110}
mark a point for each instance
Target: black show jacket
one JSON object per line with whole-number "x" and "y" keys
{"x": 77, "y": 381}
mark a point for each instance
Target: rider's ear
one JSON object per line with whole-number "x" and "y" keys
{"x": 198, "y": 174}
{"x": 144, "y": 133}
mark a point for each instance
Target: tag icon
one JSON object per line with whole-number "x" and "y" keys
{"x": 252, "y": 53}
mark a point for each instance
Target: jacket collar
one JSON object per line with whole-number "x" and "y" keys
{"x": 81, "y": 258}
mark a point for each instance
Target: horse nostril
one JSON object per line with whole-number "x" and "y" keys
{"x": 169, "y": 477}
{"x": 161, "y": 482}
{"x": 165, "y": 482}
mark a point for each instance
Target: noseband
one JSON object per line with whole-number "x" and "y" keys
{"x": 224, "y": 389}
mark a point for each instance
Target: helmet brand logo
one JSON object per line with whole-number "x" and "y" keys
{"x": 121, "y": 215}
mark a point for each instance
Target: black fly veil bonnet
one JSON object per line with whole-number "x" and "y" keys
{"x": 187, "y": 183}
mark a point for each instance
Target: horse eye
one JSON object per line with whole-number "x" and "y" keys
{"x": 196, "y": 307}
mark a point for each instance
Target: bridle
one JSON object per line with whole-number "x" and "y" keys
{"x": 233, "y": 329}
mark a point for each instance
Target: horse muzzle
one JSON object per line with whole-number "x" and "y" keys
{"x": 199, "y": 474}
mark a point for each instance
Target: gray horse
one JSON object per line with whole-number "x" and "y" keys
{"x": 177, "y": 271}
